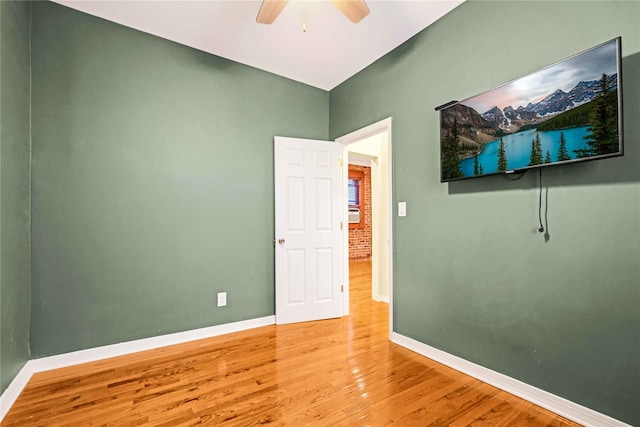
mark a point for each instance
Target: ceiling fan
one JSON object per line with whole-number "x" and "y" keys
{"x": 355, "y": 10}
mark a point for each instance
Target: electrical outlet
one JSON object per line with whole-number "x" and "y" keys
{"x": 222, "y": 299}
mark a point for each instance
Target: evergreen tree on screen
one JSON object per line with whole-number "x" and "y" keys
{"x": 476, "y": 165}
{"x": 502, "y": 157}
{"x": 451, "y": 153}
{"x": 532, "y": 156}
{"x": 547, "y": 158}
{"x": 604, "y": 121}
{"x": 536, "y": 151}
{"x": 563, "y": 154}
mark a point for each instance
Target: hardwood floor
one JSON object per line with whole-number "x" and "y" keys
{"x": 339, "y": 372}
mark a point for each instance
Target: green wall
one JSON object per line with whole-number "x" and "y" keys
{"x": 152, "y": 191}
{"x": 471, "y": 276}
{"x": 15, "y": 204}
{"x": 152, "y": 182}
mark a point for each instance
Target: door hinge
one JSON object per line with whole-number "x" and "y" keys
{"x": 341, "y": 288}
{"x": 340, "y": 225}
{"x": 340, "y": 162}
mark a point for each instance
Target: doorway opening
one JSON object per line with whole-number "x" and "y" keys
{"x": 368, "y": 151}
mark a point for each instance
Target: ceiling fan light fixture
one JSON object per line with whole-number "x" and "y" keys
{"x": 355, "y": 10}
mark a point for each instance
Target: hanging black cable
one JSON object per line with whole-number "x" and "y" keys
{"x": 541, "y": 229}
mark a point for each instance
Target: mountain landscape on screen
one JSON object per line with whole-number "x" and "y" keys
{"x": 568, "y": 111}
{"x": 511, "y": 119}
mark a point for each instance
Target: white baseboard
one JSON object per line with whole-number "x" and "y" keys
{"x": 556, "y": 404}
{"x": 121, "y": 349}
{"x": 380, "y": 298}
{"x": 8, "y": 398}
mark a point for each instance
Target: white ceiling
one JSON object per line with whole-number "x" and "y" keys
{"x": 329, "y": 52}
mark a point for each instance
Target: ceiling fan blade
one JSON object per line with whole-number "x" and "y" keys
{"x": 355, "y": 10}
{"x": 270, "y": 10}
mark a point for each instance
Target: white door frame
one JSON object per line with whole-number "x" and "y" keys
{"x": 366, "y": 132}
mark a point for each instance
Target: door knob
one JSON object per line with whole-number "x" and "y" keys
{"x": 281, "y": 241}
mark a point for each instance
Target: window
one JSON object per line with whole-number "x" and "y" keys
{"x": 355, "y": 198}
{"x": 354, "y": 192}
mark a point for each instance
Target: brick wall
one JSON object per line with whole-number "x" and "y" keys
{"x": 360, "y": 238}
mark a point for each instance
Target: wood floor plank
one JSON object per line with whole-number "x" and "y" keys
{"x": 336, "y": 372}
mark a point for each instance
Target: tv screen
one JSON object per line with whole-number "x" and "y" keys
{"x": 567, "y": 112}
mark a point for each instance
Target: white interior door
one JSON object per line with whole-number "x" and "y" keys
{"x": 308, "y": 240}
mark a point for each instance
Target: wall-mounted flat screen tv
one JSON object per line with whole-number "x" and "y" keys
{"x": 567, "y": 112}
